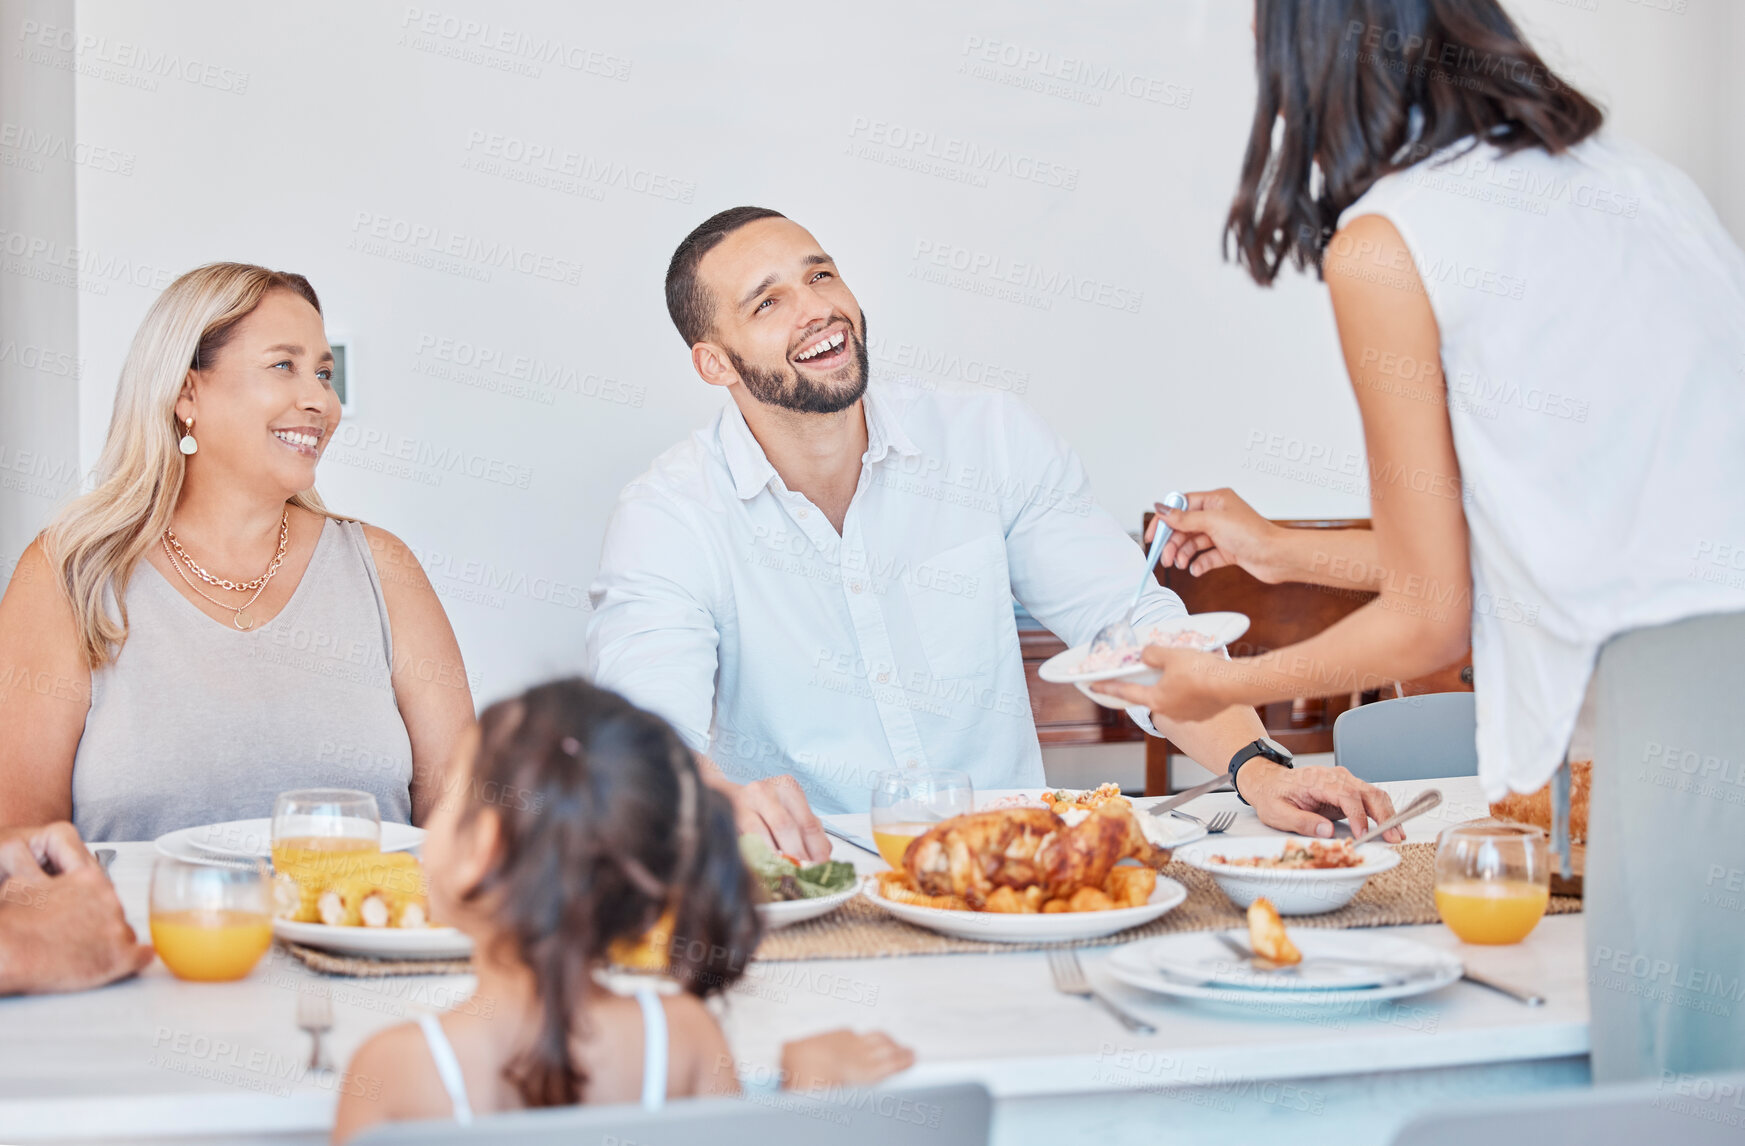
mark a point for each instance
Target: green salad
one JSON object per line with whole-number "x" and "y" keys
{"x": 783, "y": 876}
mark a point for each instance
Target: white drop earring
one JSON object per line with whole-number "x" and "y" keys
{"x": 188, "y": 445}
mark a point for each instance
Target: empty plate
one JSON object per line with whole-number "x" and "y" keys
{"x": 1337, "y": 966}
{"x": 253, "y": 839}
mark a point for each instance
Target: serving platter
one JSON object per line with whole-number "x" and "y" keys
{"x": 1060, "y": 927}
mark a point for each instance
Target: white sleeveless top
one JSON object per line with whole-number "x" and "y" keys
{"x": 654, "y": 1056}
{"x": 1592, "y": 313}
{"x": 195, "y": 722}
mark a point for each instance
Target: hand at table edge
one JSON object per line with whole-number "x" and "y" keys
{"x": 842, "y": 1057}
{"x": 1305, "y": 801}
{"x": 61, "y": 933}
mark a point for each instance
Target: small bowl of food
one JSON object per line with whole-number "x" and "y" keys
{"x": 793, "y": 892}
{"x": 1300, "y": 875}
{"x": 1078, "y": 666}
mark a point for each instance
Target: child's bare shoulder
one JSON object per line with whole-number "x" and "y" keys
{"x": 395, "y": 1064}
{"x": 699, "y": 1047}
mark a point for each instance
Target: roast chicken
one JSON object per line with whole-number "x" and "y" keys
{"x": 973, "y": 856}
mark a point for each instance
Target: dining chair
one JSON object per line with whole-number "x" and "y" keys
{"x": 1686, "y": 1109}
{"x": 925, "y": 1116}
{"x": 1409, "y": 737}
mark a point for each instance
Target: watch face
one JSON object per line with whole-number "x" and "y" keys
{"x": 1274, "y": 750}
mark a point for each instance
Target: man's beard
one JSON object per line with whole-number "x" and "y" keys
{"x": 788, "y": 389}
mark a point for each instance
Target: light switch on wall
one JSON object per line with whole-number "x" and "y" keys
{"x": 344, "y": 367}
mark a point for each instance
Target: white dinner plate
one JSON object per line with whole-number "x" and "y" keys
{"x": 379, "y": 942}
{"x": 1063, "y": 668}
{"x": 1308, "y": 891}
{"x": 1194, "y": 965}
{"x": 998, "y": 927}
{"x": 790, "y": 911}
{"x": 253, "y": 839}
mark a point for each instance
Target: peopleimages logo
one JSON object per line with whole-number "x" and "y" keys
{"x": 428, "y": 30}
{"x": 428, "y": 238}
{"x": 588, "y": 170}
{"x": 1043, "y": 283}
{"x": 430, "y": 456}
{"x": 974, "y": 157}
{"x": 523, "y": 375}
{"x": 103, "y": 58}
{"x": 1095, "y": 79}
{"x": 29, "y": 141}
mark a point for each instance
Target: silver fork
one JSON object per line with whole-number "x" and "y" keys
{"x": 1069, "y": 979}
{"x": 1219, "y": 823}
{"x": 315, "y": 1016}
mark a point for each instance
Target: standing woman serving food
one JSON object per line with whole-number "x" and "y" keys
{"x": 198, "y": 633}
{"x": 1544, "y": 327}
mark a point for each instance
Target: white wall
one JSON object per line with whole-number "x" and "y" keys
{"x": 39, "y": 348}
{"x": 289, "y": 134}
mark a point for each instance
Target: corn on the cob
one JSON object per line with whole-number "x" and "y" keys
{"x": 388, "y": 891}
{"x": 298, "y": 886}
{"x": 357, "y": 889}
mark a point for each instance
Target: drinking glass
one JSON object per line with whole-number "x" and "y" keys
{"x": 316, "y": 825}
{"x": 320, "y": 835}
{"x": 908, "y": 801}
{"x": 209, "y": 922}
{"x": 1493, "y": 881}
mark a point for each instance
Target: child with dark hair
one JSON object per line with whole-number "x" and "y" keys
{"x": 577, "y": 824}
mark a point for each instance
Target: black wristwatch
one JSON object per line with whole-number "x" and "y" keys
{"x": 1271, "y": 749}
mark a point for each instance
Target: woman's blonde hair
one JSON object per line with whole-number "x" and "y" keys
{"x": 95, "y": 542}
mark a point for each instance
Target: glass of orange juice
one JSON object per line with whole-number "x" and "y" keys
{"x": 1493, "y": 881}
{"x": 209, "y": 922}
{"x": 908, "y": 801}
{"x": 322, "y": 826}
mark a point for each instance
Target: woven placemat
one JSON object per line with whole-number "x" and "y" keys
{"x": 360, "y": 967}
{"x": 860, "y": 930}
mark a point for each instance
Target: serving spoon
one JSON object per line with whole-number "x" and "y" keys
{"x": 1118, "y": 635}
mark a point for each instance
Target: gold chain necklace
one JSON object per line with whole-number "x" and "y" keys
{"x": 241, "y": 619}
{"x": 224, "y": 582}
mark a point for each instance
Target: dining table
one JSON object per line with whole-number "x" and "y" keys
{"x": 156, "y": 1059}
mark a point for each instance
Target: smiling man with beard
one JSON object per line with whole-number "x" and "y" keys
{"x": 819, "y": 585}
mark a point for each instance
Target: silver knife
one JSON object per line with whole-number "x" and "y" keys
{"x": 1531, "y": 998}
{"x": 1193, "y": 793}
{"x": 849, "y": 838}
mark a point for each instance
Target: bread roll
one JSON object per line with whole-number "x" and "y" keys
{"x": 1535, "y": 808}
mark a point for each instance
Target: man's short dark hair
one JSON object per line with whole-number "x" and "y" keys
{"x": 687, "y": 300}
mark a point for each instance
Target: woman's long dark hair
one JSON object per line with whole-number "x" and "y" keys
{"x": 1369, "y": 87}
{"x": 605, "y": 825}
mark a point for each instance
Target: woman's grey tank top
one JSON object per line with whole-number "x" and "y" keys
{"x": 195, "y": 722}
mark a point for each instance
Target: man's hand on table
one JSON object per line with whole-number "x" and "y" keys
{"x": 774, "y": 808}
{"x": 1307, "y": 800}
{"x": 64, "y": 931}
{"x": 54, "y": 848}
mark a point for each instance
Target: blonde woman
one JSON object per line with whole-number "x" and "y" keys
{"x": 199, "y": 633}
